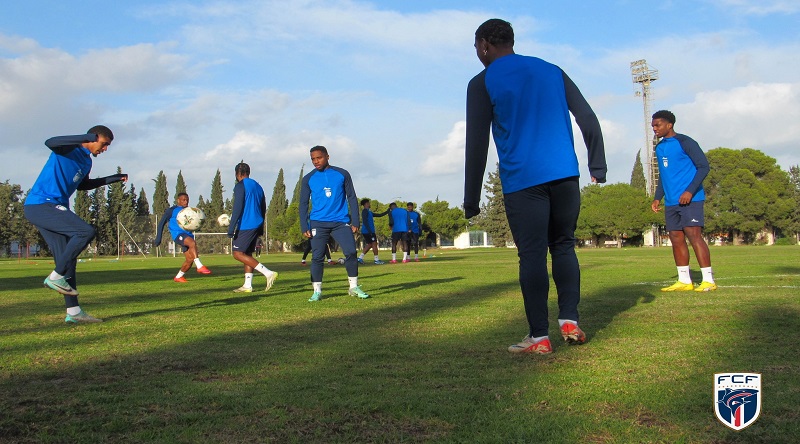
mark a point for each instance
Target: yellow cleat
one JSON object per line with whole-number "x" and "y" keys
{"x": 706, "y": 286}
{"x": 680, "y": 286}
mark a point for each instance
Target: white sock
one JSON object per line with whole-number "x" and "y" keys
{"x": 376, "y": 258}
{"x": 405, "y": 256}
{"x": 72, "y": 311}
{"x": 55, "y": 276}
{"x": 317, "y": 287}
{"x": 197, "y": 263}
{"x": 537, "y": 339}
{"x": 708, "y": 275}
{"x": 683, "y": 275}
{"x": 394, "y": 256}
{"x": 263, "y": 270}
{"x": 180, "y": 274}
{"x": 353, "y": 281}
{"x": 416, "y": 255}
{"x": 361, "y": 256}
{"x": 248, "y": 280}
{"x": 561, "y": 322}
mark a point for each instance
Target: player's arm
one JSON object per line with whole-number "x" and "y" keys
{"x": 352, "y": 200}
{"x": 305, "y": 196}
{"x": 164, "y": 220}
{"x": 90, "y": 184}
{"x": 381, "y": 214}
{"x": 590, "y": 128}
{"x": 65, "y": 144}
{"x": 391, "y": 220}
{"x": 238, "y": 208}
{"x": 692, "y": 149}
{"x": 479, "y": 121}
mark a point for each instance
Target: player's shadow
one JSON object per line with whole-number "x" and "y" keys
{"x": 786, "y": 269}
{"x": 394, "y": 288}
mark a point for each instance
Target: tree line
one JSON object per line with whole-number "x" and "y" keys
{"x": 748, "y": 198}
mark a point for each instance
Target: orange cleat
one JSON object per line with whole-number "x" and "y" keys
{"x": 572, "y": 334}
{"x": 540, "y": 347}
{"x": 181, "y": 280}
{"x": 204, "y": 270}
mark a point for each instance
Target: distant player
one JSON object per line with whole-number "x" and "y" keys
{"x": 307, "y": 250}
{"x": 414, "y": 229}
{"x": 368, "y": 231}
{"x": 247, "y": 224}
{"x": 334, "y": 213}
{"x": 682, "y": 167}
{"x": 183, "y": 238}
{"x": 47, "y": 208}
{"x": 399, "y": 223}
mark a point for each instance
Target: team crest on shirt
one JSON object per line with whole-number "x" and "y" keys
{"x": 665, "y": 161}
{"x": 78, "y": 176}
{"x": 737, "y": 398}
{"x": 328, "y": 192}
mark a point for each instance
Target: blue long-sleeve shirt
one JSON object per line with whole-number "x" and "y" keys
{"x": 682, "y": 166}
{"x": 249, "y": 206}
{"x": 368, "y": 222}
{"x": 332, "y": 195}
{"x": 170, "y": 217}
{"x": 414, "y": 222}
{"x": 398, "y": 220}
{"x": 66, "y": 170}
{"x": 526, "y": 102}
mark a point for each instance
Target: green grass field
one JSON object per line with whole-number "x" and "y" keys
{"x": 423, "y": 360}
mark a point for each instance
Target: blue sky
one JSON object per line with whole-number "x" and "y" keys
{"x": 198, "y": 86}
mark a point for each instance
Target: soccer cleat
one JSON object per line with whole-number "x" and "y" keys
{"x": 181, "y": 280}
{"x": 317, "y": 296}
{"x": 541, "y": 347}
{"x": 331, "y": 262}
{"x": 358, "y": 292}
{"x": 243, "y": 289}
{"x": 392, "y": 261}
{"x": 360, "y": 261}
{"x": 303, "y": 262}
{"x": 416, "y": 260}
{"x": 405, "y": 260}
{"x": 377, "y": 262}
{"x": 271, "y": 280}
{"x": 679, "y": 286}
{"x": 81, "y": 318}
{"x": 61, "y": 286}
{"x": 706, "y": 286}
{"x": 204, "y": 270}
{"x": 572, "y": 334}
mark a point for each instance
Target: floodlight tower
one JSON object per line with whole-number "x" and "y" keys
{"x": 643, "y": 75}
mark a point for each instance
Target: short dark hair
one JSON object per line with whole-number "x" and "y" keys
{"x": 363, "y": 201}
{"x": 497, "y": 32}
{"x": 666, "y": 115}
{"x": 410, "y": 203}
{"x": 319, "y": 148}
{"x": 101, "y": 130}
{"x": 242, "y": 169}
{"x": 181, "y": 194}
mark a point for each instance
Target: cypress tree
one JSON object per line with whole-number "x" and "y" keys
{"x": 83, "y": 205}
{"x": 277, "y": 209}
{"x": 493, "y": 213}
{"x": 160, "y": 194}
{"x": 637, "y": 174}
{"x": 180, "y": 185}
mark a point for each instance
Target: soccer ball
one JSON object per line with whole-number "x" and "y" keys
{"x": 224, "y": 220}
{"x": 191, "y": 218}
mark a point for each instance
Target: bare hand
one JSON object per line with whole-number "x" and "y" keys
{"x": 655, "y": 206}
{"x": 307, "y": 234}
{"x": 685, "y": 199}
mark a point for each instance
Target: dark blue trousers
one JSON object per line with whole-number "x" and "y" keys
{"x": 66, "y": 234}
{"x": 542, "y": 218}
{"x": 343, "y": 234}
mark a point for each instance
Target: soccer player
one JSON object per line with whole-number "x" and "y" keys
{"x": 334, "y": 213}
{"x": 181, "y": 237}
{"x": 368, "y": 231}
{"x": 682, "y": 167}
{"x": 47, "y": 208}
{"x": 398, "y": 222}
{"x": 307, "y": 249}
{"x": 247, "y": 224}
{"x": 526, "y": 102}
{"x": 414, "y": 229}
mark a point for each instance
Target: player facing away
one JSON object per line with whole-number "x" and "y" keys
{"x": 368, "y": 231}
{"x": 247, "y": 224}
{"x": 47, "y": 208}
{"x": 398, "y": 222}
{"x": 682, "y": 167}
{"x": 526, "y": 102}
{"x": 414, "y": 230}
{"x": 185, "y": 239}
{"x": 334, "y": 213}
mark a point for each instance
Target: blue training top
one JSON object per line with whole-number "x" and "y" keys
{"x": 414, "y": 222}
{"x": 249, "y": 206}
{"x": 333, "y": 197}
{"x": 682, "y": 166}
{"x": 527, "y": 103}
{"x": 398, "y": 220}
{"x": 368, "y": 222}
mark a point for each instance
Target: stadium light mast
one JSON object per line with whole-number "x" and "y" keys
{"x": 644, "y": 75}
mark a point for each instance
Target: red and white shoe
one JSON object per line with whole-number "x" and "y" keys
{"x": 540, "y": 347}
{"x": 181, "y": 280}
{"x": 204, "y": 270}
{"x": 392, "y": 261}
{"x": 572, "y": 334}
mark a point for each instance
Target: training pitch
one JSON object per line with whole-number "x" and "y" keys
{"x": 423, "y": 360}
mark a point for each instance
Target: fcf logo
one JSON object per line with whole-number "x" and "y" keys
{"x": 737, "y": 398}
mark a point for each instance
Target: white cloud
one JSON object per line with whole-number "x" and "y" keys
{"x": 760, "y": 7}
{"x": 447, "y": 156}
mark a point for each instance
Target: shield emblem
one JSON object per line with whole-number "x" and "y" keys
{"x": 665, "y": 161}
{"x": 737, "y": 398}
